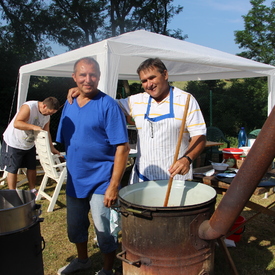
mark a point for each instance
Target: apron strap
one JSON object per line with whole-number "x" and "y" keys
{"x": 142, "y": 177}
{"x": 170, "y": 115}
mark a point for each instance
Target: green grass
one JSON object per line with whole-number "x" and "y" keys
{"x": 253, "y": 255}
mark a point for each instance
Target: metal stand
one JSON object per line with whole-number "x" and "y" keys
{"x": 227, "y": 255}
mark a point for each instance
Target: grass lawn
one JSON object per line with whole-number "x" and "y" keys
{"x": 253, "y": 255}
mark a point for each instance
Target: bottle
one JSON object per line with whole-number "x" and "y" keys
{"x": 242, "y": 138}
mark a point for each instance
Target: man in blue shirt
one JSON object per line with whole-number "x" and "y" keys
{"x": 93, "y": 130}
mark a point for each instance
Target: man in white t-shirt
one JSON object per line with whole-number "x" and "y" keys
{"x": 158, "y": 114}
{"x": 18, "y": 150}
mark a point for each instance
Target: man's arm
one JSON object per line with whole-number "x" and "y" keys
{"x": 21, "y": 119}
{"x": 120, "y": 163}
{"x": 195, "y": 148}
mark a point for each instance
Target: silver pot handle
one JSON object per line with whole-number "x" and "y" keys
{"x": 37, "y": 210}
{"x": 42, "y": 246}
{"x": 138, "y": 263}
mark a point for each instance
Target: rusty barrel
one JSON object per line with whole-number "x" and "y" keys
{"x": 159, "y": 240}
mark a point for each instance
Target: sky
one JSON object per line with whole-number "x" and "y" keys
{"x": 212, "y": 23}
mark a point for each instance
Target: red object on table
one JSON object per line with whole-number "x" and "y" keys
{"x": 232, "y": 153}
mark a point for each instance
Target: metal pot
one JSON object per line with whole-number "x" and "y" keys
{"x": 18, "y": 210}
{"x": 164, "y": 240}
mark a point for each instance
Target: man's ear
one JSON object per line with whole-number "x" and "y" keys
{"x": 73, "y": 76}
{"x": 165, "y": 73}
{"x": 44, "y": 106}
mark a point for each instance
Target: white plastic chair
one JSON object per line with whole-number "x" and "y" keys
{"x": 52, "y": 167}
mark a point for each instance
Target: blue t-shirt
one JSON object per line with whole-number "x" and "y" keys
{"x": 90, "y": 135}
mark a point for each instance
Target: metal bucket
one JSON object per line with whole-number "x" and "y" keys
{"x": 17, "y": 210}
{"x": 164, "y": 240}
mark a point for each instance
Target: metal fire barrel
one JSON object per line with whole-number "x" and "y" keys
{"x": 21, "y": 252}
{"x": 159, "y": 240}
{"x": 20, "y": 238}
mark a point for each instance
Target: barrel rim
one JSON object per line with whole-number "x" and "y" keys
{"x": 169, "y": 208}
{"x": 31, "y": 201}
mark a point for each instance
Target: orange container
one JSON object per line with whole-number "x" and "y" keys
{"x": 236, "y": 236}
{"x": 232, "y": 153}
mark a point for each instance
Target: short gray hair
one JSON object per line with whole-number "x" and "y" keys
{"x": 87, "y": 60}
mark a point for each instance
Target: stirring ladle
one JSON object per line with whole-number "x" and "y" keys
{"x": 177, "y": 149}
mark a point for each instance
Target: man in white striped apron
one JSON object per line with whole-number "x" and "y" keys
{"x": 158, "y": 115}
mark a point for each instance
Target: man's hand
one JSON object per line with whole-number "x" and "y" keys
{"x": 111, "y": 195}
{"x": 36, "y": 128}
{"x": 181, "y": 167}
{"x": 72, "y": 93}
{"x": 56, "y": 152}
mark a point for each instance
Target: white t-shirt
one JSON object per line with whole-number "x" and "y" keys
{"x": 22, "y": 139}
{"x": 157, "y": 138}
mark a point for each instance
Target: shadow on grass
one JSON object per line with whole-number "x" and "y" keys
{"x": 255, "y": 252}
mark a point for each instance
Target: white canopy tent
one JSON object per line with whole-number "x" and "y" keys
{"x": 120, "y": 56}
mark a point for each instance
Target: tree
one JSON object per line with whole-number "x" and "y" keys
{"x": 233, "y": 103}
{"x": 21, "y": 41}
{"x": 76, "y": 23}
{"x": 23, "y": 31}
{"x": 139, "y": 14}
{"x": 258, "y": 39}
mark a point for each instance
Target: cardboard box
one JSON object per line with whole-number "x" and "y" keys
{"x": 239, "y": 163}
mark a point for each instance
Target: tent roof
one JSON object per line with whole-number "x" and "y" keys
{"x": 120, "y": 56}
{"x": 184, "y": 60}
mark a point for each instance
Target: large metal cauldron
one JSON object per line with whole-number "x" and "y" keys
{"x": 17, "y": 210}
{"x": 20, "y": 239}
{"x": 164, "y": 240}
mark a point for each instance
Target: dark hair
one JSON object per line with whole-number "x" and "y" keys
{"x": 87, "y": 60}
{"x": 52, "y": 103}
{"x": 151, "y": 63}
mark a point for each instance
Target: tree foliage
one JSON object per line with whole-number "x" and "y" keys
{"x": 258, "y": 42}
{"x": 75, "y": 23}
{"x": 258, "y": 39}
{"x": 21, "y": 41}
{"x": 143, "y": 14}
{"x": 30, "y": 25}
{"x": 23, "y": 32}
{"x": 235, "y": 103}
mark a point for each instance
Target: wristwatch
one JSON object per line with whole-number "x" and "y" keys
{"x": 189, "y": 159}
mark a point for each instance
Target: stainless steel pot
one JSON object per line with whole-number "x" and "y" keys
{"x": 18, "y": 210}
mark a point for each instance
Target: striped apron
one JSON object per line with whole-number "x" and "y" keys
{"x": 157, "y": 140}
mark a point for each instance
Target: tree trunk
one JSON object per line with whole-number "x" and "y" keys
{"x": 126, "y": 87}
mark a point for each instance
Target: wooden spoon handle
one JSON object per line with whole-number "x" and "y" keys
{"x": 177, "y": 149}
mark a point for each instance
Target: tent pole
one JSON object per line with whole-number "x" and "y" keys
{"x": 210, "y": 96}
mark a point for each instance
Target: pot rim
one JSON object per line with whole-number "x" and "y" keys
{"x": 168, "y": 208}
